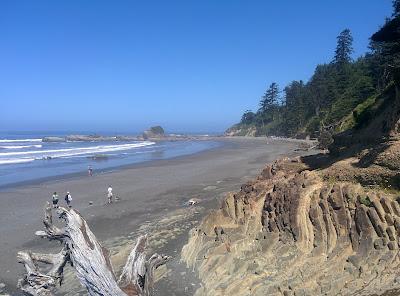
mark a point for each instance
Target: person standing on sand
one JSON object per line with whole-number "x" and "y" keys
{"x": 55, "y": 200}
{"x": 109, "y": 194}
{"x": 68, "y": 199}
{"x": 90, "y": 171}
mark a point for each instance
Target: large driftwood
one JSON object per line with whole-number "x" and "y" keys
{"x": 90, "y": 260}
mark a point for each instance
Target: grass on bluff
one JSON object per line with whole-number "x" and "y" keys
{"x": 364, "y": 112}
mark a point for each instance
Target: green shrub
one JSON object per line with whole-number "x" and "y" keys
{"x": 365, "y": 201}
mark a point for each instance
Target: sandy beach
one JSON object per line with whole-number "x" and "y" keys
{"x": 152, "y": 200}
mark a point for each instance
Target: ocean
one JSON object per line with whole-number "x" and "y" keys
{"x": 24, "y": 157}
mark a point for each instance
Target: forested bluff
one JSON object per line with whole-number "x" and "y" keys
{"x": 319, "y": 224}
{"x": 342, "y": 95}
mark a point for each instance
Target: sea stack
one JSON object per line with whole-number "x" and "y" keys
{"x": 155, "y": 132}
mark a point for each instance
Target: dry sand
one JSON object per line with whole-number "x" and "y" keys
{"x": 152, "y": 200}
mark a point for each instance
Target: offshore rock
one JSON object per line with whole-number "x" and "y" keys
{"x": 154, "y": 132}
{"x": 289, "y": 232}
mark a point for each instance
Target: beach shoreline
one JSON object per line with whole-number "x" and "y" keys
{"x": 149, "y": 192}
{"x": 84, "y": 173}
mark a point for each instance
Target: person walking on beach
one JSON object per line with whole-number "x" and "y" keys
{"x": 68, "y": 199}
{"x": 90, "y": 171}
{"x": 55, "y": 200}
{"x": 109, "y": 194}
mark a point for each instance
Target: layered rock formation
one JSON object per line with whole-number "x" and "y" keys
{"x": 290, "y": 232}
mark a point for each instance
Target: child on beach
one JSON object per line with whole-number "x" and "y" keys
{"x": 109, "y": 194}
{"x": 68, "y": 199}
{"x": 55, "y": 200}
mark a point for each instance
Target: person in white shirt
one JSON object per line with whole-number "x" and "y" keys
{"x": 109, "y": 194}
{"x": 68, "y": 199}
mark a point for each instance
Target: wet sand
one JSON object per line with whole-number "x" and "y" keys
{"x": 152, "y": 201}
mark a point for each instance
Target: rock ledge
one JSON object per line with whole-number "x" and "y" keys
{"x": 289, "y": 232}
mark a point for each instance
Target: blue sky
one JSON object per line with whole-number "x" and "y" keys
{"x": 187, "y": 65}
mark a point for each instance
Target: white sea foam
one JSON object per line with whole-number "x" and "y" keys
{"x": 69, "y": 152}
{"x": 19, "y": 140}
{"x": 21, "y": 146}
{"x": 15, "y": 160}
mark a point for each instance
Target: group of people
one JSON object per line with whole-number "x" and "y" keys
{"x": 68, "y": 198}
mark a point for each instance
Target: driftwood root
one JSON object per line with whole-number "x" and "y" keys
{"x": 90, "y": 260}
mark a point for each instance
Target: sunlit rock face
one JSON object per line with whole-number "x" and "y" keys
{"x": 289, "y": 232}
{"x": 237, "y": 130}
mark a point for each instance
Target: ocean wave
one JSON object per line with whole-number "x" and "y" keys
{"x": 19, "y": 140}
{"x": 69, "y": 152}
{"x": 21, "y": 147}
{"x": 15, "y": 160}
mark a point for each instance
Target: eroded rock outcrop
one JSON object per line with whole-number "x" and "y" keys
{"x": 240, "y": 130}
{"x": 289, "y": 232}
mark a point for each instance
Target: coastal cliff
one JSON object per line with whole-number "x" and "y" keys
{"x": 241, "y": 130}
{"x": 290, "y": 232}
{"x": 325, "y": 224}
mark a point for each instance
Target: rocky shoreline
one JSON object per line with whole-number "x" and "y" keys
{"x": 291, "y": 231}
{"x": 325, "y": 224}
{"x": 162, "y": 211}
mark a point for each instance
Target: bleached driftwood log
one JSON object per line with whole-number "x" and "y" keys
{"x": 90, "y": 260}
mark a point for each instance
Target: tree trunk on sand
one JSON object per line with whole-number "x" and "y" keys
{"x": 90, "y": 260}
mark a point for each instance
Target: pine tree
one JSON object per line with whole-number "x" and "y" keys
{"x": 248, "y": 117}
{"x": 324, "y": 105}
{"x": 269, "y": 104}
{"x": 270, "y": 99}
{"x": 344, "y": 48}
{"x": 387, "y": 39}
{"x": 396, "y": 8}
{"x": 295, "y": 109}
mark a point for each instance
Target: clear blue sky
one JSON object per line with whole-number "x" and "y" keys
{"x": 187, "y": 65}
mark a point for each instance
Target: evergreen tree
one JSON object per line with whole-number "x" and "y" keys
{"x": 269, "y": 103}
{"x": 248, "y": 117}
{"x": 295, "y": 107}
{"x": 344, "y": 48}
{"x": 387, "y": 40}
{"x": 331, "y": 101}
{"x": 322, "y": 87}
{"x": 270, "y": 99}
{"x": 396, "y": 8}
{"x": 377, "y": 63}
